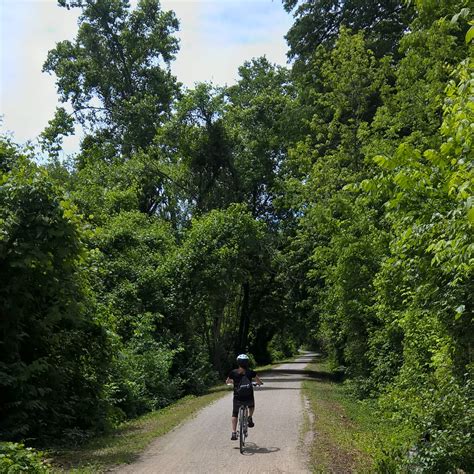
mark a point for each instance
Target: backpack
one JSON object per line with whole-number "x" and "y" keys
{"x": 245, "y": 387}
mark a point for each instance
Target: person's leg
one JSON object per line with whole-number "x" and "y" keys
{"x": 251, "y": 410}
{"x": 235, "y": 413}
{"x": 251, "y": 407}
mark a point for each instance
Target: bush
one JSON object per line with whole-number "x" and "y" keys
{"x": 282, "y": 347}
{"x": 53, "y": 352}
{"x": 142, "y": 379}
{"x": 193, "y": 369}
{"x": 447, "y": 444}
{"x": 16, "y": 458}
{"x": 443, "y": 417}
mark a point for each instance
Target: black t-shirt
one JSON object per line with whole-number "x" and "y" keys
{"x": 236, "y": 376}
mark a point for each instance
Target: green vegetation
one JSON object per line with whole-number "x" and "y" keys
{"x": 54, "y": 351}
{"x": 15, "y": 458}
{"x": 348, "y": 434}
{"x": 330, "y": 204}
{"x": 124, "y": 444}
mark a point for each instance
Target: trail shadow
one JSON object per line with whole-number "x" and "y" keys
{"x": 252, "y": 449}
{"x": 101, "y": 457}
{"x": 312, "y": 374}
{"x": 302, "y": 359}
{"x": 103, "y": 450}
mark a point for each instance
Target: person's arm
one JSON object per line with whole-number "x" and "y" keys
{"x": 229, "y": 380}
{"x": 257, "y": 378}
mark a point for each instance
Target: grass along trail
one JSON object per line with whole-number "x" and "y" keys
{"x": 125, "y": 443}
{"x": 342, "y": 434}
{"x": 203, "y": 445}
{"x": 305, "y": 422}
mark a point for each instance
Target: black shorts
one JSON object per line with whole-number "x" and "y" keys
{"x": 238, "y": 403}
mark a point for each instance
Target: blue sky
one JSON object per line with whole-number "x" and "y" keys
{"x": 216, "y": 36}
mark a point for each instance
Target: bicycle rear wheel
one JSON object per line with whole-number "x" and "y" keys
{"x": 242, "y": 430}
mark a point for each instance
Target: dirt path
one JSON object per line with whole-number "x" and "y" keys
{"x": 203, "y": 445}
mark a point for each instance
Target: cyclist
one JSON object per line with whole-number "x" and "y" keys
{"x": 236, "y": 377}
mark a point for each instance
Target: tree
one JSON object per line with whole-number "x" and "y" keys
{"x": 430, "y": 297}
{"x": 319, "y": 23}
{"x": 53, "y": 350}
{"x": 115, "y": 74}
{"x": 130, "y": 251}
{"x": 335, "y": 244}
{"x": 260, "y": 118}
{"x": 222, "y": 250}
{"x": 196, "y": 147}
{"x": 412, "y": 108}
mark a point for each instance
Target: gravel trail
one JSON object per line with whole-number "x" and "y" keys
{"x": 203, "y": 445}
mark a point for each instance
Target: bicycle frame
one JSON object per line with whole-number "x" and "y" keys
{"x": 243, "y": 426}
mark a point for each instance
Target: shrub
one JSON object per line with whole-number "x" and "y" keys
{"x": 447, "y": 444}
{"x": 53, "y": 352}
{"x": 16, "y": 458}
{"x": 282, "y": 347}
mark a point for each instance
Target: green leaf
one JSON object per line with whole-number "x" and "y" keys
{"x": 470, "y": 215}
{"x": 384, "y": 162}
{"x": 470, "y": 35}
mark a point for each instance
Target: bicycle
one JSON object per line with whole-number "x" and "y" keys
{"x": 243, "y": 420}
{"x": 243, "y": 423}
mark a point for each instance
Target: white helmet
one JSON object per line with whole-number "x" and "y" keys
{"x": 242, "y": 357}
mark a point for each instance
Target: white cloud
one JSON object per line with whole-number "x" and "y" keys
{"x": 29, "y": 29}
{"x": 216, "y": 37}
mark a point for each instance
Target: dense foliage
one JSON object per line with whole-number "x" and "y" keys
{"x": 15, "y": 458}
{"x": 54, "y": 352}
{"x": 329, "y": 205}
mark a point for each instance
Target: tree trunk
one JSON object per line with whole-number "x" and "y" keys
{"x": 217, "y": 348}
{"x": 242, "y": 344}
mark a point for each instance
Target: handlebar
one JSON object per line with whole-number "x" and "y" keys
{"x": 255, "y": 384}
